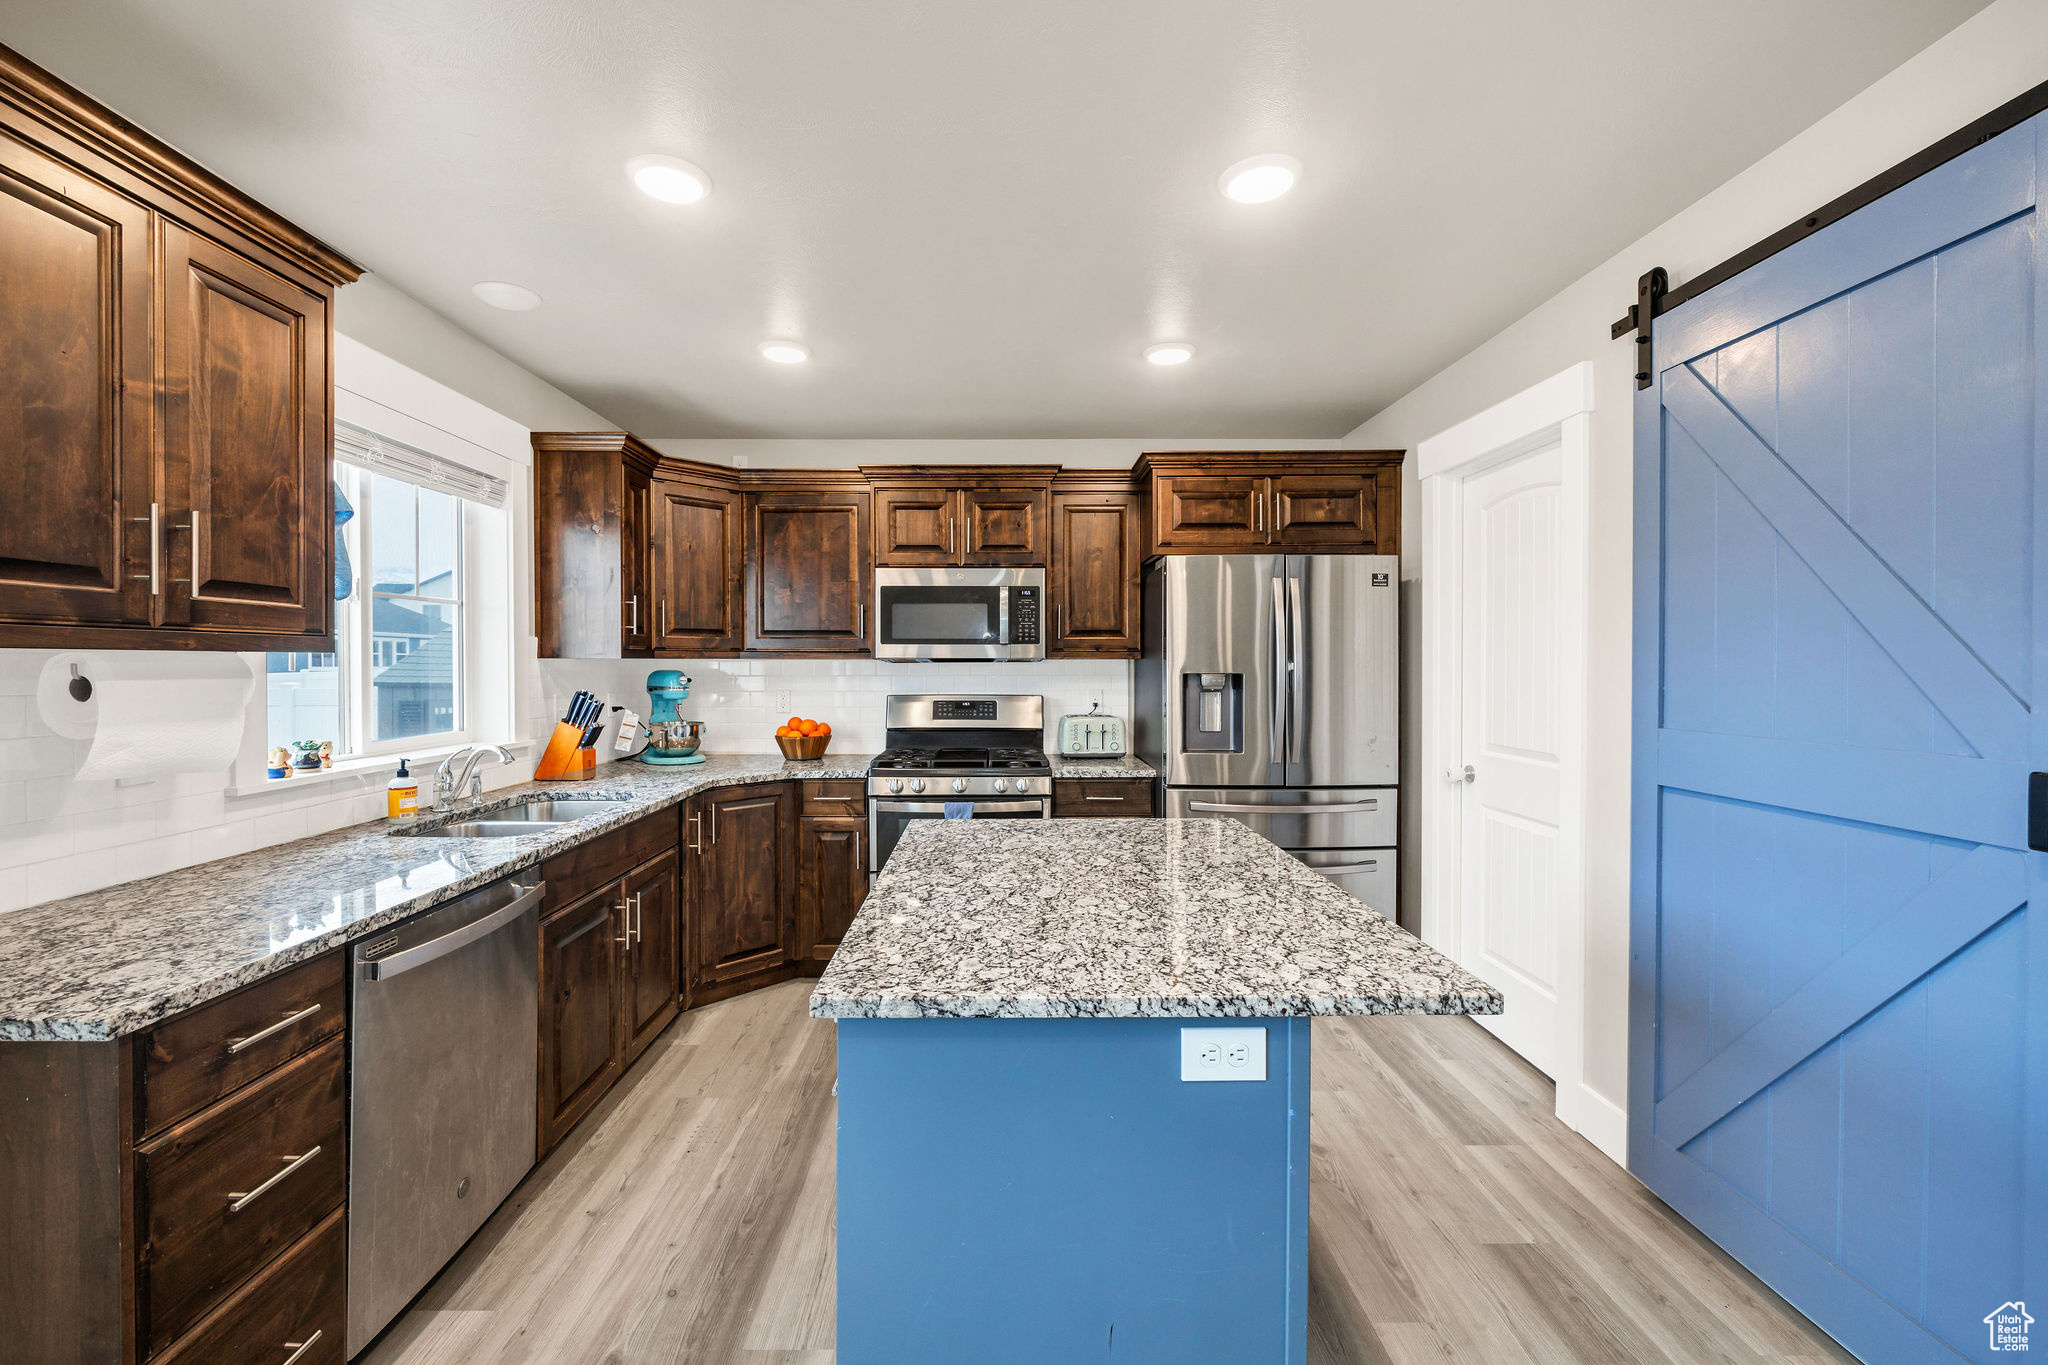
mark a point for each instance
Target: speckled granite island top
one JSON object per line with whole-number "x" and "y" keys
{"x": 113, "y": 962}
{"x": 1123, "y": 919}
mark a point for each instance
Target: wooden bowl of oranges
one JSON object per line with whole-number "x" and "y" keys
{"x": 800, "y": 738}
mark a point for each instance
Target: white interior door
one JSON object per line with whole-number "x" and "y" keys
{"x": 1511, "y": 653}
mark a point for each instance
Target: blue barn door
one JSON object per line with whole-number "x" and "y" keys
{"x": 1839, "y": 1050}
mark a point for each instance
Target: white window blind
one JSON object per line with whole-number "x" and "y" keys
{"x": 365, "y": 449}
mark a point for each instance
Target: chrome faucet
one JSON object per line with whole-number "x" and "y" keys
{"x": 459, "y": 769}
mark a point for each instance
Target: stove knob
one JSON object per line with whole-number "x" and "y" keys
{"x": 917, "y": 784}
{"x": 959, "y": 784}
{"x": 895, "y": 785}
{"x": 1001, "y": 785}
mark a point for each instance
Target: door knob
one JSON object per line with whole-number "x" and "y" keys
{"x": 1464, "y": 774}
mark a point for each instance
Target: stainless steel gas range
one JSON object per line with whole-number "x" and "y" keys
{"x": 982, "y": 755}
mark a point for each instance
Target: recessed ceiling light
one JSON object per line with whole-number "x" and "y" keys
{"x": 668, "y": 179}
{"x": 1170, "y": 353}
{"x": 1257, "y": 179}
{"x": 513, "y": 298}
{"x": 785, "y": 352}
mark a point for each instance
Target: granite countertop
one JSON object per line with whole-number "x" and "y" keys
{"x": 115, "y": 961}
{"x": 1131, "y": 766}
{"x": 1123, "y": 918}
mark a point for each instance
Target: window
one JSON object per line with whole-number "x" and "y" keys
{"x": 397, "y": 678}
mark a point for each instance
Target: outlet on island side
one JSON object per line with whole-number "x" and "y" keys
{"x": 1223, "y": 1054}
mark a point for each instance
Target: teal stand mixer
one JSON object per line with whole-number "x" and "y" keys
{"x": 670, "y": 739}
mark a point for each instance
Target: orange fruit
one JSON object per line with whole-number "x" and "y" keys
{"x": 782, "y": 732}
{"x": 823, "y": 728}
{"x": 809, "y": 727}
{"x": 794, "y": 721}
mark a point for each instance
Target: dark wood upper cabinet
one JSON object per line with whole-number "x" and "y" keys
{"x": 742, "y": 910}
{"x": 1213, "y": 513}
{"x": 592, "y": 576}
{"x": 934, "y": 516}
{"x": 75, "y": 373}
{"x": 695, "y": 550}
{"x": 1003, "y": 525}
{"x": 1097, "y": 545}
{"x": 247, "y": 443}
{"x": 1319, "y": 501}
{"x": 810, "y": 572}
{"x": 165, "y": 393}
{"x": 918, "y": 527}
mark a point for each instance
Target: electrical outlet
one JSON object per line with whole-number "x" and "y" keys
{"x": 782, "y": 701}
{"x": 1095, "y": 696}
{"x": 1223, "y": 1054}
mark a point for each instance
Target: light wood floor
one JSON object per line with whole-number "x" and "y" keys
{"x": 1452, "y": 1218}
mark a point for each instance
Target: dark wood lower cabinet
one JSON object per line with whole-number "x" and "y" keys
{"x": 652, "y": 964}
{"x": 831, "y": 867}
{"x": 579, "y": 1010}
{"x": 742, "y": 904}
{"x": 1112, "y": 797}
{"x": 297, "y": 1301}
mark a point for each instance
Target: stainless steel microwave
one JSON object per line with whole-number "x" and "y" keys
{"x": 956, "y": 614}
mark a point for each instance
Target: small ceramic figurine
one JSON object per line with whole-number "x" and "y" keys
{"x": 280, "y": 762}
{"x": 327, "y": 753}
{"x": 309, "y": 753}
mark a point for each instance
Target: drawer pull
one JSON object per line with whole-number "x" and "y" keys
{"x": 237, "y": 1044}
{"x": 1332, "y": 808}
{"x": 1102, "y": 798}
{"x": 239, "y": 1200}
{"x": 299, "y": 1348}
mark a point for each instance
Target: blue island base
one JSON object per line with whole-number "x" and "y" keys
{"x": 1051, "y": 1191}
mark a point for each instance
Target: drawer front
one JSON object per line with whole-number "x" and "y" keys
{"x": 1102, "y": 796}
{"x": 201, "y": 1055}
{"x": 573, "y": 875}
{"x": 839, "y": 798}
{"x": 295, "y": 1300}
{"x": 249, "y": 1151}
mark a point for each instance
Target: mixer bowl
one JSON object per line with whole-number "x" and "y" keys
{"x": 674, "y": 738}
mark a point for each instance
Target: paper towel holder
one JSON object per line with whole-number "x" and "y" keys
{"x": 80, "y": 686}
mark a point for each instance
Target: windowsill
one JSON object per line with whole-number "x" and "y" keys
{"x": 375, "y": 765}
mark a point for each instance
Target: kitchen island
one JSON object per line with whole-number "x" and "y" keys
{"x": 1029, "y": 1169}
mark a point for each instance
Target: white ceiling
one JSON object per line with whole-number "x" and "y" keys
{"x": 975, "y": 213}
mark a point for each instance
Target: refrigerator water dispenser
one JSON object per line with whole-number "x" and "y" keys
{"x": 1212, "y": 712}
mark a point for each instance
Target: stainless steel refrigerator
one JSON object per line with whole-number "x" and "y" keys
{"x": 1269, "y": 693}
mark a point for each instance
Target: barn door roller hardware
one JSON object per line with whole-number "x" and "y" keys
{"x": 1650, "y": 291}
{"x": 1654, "y": 294}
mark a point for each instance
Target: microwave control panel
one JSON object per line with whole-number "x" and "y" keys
{"x": 1023, "y": 616}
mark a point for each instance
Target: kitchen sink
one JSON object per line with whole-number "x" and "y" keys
{"x": 529, "y": 817}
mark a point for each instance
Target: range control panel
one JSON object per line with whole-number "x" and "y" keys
{"x": 964, "y": 708}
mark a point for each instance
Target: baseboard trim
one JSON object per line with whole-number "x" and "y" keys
{"x": 1596, "y": 1118}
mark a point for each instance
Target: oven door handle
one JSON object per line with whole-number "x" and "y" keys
{"x": 939, "y": 807}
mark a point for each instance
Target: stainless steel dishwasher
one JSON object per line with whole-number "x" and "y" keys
{"x": 442, "y": 1041}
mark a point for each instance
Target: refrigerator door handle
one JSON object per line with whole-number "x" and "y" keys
{"x": 1297, "y": 706}
{"x": 1282, "y": 660}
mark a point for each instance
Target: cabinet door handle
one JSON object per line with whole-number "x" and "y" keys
{"x": 1102, "y": 798}
{"x": 625, "y": 909}
{"x": 697, "y": 844}
{"x": 1259, "y": 510}
{"x": 1058, "y": 618}
{"x": 664, "y": 616}
{"x": 299, "y": 1348}
{"x": 639, "y": 918}
{"x": 242, "y": 1199}
{"x": 634, "y": 603}
{"x": 714, "y": 822}
{"x": 949, "y": 535}
{"x": 239, "y": 1044}
{"x": 863, "y": 631}
{"x": 155, "y": 522}
{"x": 192, "y": 528}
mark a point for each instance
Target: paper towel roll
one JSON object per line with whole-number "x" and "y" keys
{"x": 150, "y": 714}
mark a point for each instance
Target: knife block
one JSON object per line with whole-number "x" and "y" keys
{"x": 564, "y": 760}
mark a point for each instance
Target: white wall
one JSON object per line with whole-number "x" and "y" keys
{"x": 1998, "y": 54}
{"x": 1113, "y": 452}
